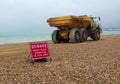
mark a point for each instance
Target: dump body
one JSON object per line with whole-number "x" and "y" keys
{"x": 70, "y": 22}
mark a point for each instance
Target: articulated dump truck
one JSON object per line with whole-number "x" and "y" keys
{"x": 74, "y": 29}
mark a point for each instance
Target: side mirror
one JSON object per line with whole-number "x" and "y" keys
{"x": 99, "y": 18}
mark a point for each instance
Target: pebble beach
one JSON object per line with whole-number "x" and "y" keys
{"x": 91, "y": 62}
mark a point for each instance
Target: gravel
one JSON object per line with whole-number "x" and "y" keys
{"x": 92, "y": 62}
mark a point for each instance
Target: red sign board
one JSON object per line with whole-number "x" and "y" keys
{"x": 39, "y": 50}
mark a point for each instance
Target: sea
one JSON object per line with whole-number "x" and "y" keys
{"x": 11, "y": 38}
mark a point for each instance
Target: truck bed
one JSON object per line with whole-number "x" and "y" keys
{"x": 68, "y": 21}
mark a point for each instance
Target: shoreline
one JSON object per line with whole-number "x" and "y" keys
{"x": 42, "y": 40}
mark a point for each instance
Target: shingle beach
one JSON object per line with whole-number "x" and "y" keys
{"x": 91, "y": 62}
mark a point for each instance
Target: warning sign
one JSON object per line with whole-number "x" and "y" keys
{"x": 39, "y": 50}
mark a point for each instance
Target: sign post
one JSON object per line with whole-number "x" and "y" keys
{"x": 39, "y": 50}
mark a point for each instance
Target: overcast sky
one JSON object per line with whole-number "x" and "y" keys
{"x": 31, "y": 15}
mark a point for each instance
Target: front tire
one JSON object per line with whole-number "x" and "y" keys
{"x": 74, "y": 35}
{"x": 96, "y": 35}
{"x": 56, "y": 37}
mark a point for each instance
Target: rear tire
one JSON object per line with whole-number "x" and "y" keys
{"x": 74, "y": 35}
{"x": 83, "y": 35}
{"x": 96, "y": 35}
{"x": 56, "y": 37}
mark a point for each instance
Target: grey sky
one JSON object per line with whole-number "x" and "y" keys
{"x": 31, "y": 15}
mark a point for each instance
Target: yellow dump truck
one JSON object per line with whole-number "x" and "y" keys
{"x": 74, "y": 29}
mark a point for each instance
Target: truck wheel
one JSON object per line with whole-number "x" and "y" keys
{"x": 96, "y": 35}
{"x": 83, "y": 35}
{"x": 56, "y": 37}
{"x": 74, "y": 35}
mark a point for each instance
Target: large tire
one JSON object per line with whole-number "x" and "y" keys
{"x": 74, "y": 35}
{"x": 83, "y": 35}
{"x": 96, "y": 35}
{"x": 56, "y": 37}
